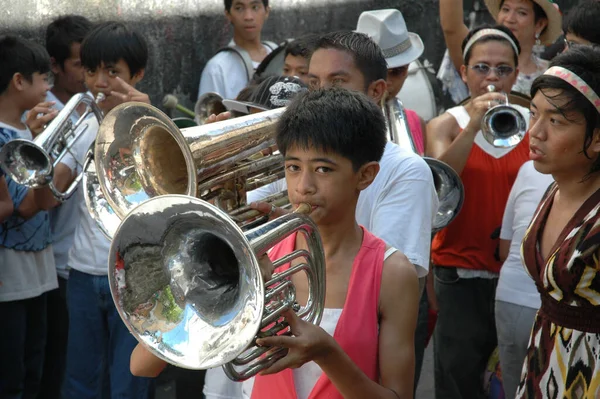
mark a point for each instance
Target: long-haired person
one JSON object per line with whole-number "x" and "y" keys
{"x": 561, "y": 246}
{"x": 535, "y": 23}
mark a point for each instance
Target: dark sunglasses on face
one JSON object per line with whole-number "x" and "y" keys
{"x": 484, "y": 69}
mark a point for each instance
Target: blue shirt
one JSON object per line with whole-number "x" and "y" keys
{"x": 15, "y": 232}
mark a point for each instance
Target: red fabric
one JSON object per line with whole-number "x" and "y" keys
{"x": 414, "y": 123}
{"x": 357, "y": 330}
{"x": 467, "y": 241}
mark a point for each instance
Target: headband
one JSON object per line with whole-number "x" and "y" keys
{"x": 575, "y": 81}
{"x": 489, "y": 32}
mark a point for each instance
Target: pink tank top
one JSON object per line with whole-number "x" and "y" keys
{"x": 357, "y": 331}
{"x": 415, "y": 128}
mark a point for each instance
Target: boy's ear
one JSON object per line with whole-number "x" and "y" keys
{"x": 54, "y": 66}
{"x": 139, "y": 75}
{"x": 366, "y": 174}
{"x": 18, "y": 80}
{"x": 376, "y": 90}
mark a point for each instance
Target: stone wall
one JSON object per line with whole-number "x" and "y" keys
{"x": 184, "y": 34}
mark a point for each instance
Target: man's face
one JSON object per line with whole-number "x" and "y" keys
{"x": 70, "y": 77}
{"x": 334, "y": 68}
{"x": 247, "y": 17}
{"x": 295, "y": 65}
{"x": 103, "y": 80}
{"x": 395, "y": 80}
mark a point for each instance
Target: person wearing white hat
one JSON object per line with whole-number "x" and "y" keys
{"x": 400, "y": 47}
{"x": 535, "y": 23}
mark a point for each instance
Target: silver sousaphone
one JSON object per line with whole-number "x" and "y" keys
{"x": 448, "y": 186}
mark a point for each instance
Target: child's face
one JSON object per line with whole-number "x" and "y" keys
{"x": 36, "y": 90}
{"x": 247, "y": 17}
{"x": 70, "y": 77}
{"x": 295, "y": 65}
{"x": 327, "y": 181}
{"x": 103, "y": 80}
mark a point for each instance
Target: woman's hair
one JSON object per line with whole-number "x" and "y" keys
{"x": 583, "y": 21}
{"x": 490, "y": 38}
{"x": 584, "y": 61}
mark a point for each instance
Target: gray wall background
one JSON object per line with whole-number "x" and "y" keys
{"x": 184, "y": 34}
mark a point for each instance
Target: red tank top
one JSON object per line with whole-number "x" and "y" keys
{"x": 467, "y": 241}
{"x": 357, "y": 331}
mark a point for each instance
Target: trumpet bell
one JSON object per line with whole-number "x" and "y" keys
{"x": 27, "y": 163}
{"x": 450, "y": 193}
{"x": 208, "y": 104}
{"x": 503, "y": 126}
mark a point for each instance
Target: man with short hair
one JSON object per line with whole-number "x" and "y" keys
{"x": 230, "y": 70}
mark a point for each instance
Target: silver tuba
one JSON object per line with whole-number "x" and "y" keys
{"x": 32, "y": 163}
{"x": 503, "y": 126}
{"x": 187, "y": 283}
{"x": 141, "y": 154}
{"x": 448, "y": 186}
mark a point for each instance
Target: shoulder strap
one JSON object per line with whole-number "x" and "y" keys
{"x": 389, "y": 252}
{"x": 270, "y": 44}
{"x": 244, "y": 56}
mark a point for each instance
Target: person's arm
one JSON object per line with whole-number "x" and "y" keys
{"x": 508, "y": 219}
{"x": 396, "y": 341}
{"x": 143, "y": 363}
{"x": 448, "y": 143}
{"x": 424, "y": 134}
{"x": 6, "y": 204}
{"x": 454, "y": 29}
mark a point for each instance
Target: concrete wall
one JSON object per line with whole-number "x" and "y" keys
{"x": 184, "y": 34}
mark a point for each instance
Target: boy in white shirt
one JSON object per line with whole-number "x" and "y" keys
{"x": 230, "y": 70}
{"x": 114, "y": 58}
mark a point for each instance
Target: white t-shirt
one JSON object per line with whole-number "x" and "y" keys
{"x": 89, "y": 253}
{"x": 398, "y": 207}
{"x": 225, "y": 74}
{"x": 64, "y": 218}
{"x": 515, "y": 284}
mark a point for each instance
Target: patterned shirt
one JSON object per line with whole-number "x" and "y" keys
{"x": 15, "y": 232}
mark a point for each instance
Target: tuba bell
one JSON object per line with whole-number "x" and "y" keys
{"x": 503, "y": 126}
{"x": 32, "y": 163}
{"x": 208, "y": 104}
{"x": 186, "y": 281}
{"x": 448, "y": 186}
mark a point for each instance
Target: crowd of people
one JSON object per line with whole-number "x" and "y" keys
{"x": 516, "y": 270}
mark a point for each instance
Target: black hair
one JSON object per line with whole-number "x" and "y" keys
{"x": 21, "y": 56}
{"x": 302, "y": 47}
{"x": 228, "y": 4}
{"x": 368, "y": 57}
{"x": 584, "y": 61}
{"x": 110, "y": 42}
{"x": 582, "y": 21}
{"x": 334, "y": 120}
{"x": 62, "y": 33}
{"x": 490, "y": 38}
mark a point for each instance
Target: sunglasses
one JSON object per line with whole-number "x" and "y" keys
{"x": 484, "y": 70}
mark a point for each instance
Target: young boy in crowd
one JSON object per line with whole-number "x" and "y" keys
{"x": 297, "y": 56}
{"x": 27, "y": 270}
{"x": 114, "y": 58}
{"x": 230, "y": 70}
{"x": 332, "y": 141}
{"x": 63, "y": 43}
